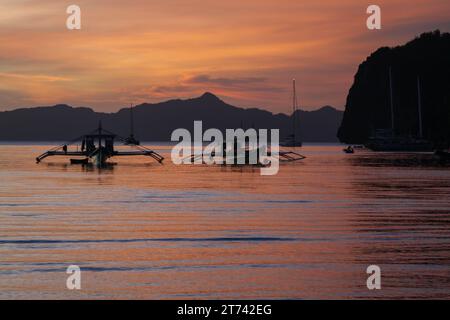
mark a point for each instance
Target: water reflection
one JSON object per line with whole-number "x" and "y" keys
{"x": 144, "y": 230}
{"x": 372, "y": 159}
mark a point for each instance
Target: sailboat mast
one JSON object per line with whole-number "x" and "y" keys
{"x": 100, "y": 134}
{"x": 419, "y": 104}
{"x": 392, "y": 100}
{"x": 131, "y": 120}
{"x": 294, "y": 109}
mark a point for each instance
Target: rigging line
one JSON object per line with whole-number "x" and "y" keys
{"x": 142, "y": 148}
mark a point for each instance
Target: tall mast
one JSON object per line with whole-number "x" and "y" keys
{"x": 419, "y": 104}
{"x": 100, "y": 134}
{"x": 392, "y": 100}
{"x": 294, "y": 109}
{"x": 131, "y": 120}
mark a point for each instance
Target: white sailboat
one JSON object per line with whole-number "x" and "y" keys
{"x": 293, "y": 140}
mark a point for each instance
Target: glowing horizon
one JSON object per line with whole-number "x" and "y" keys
{"x": 245, "y": 53}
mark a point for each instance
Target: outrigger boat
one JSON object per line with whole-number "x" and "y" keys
{"x": 243, "y": 155}
{"x": 98, "y": 147}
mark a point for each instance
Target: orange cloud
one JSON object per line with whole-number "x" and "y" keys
{"x": 244, "y": 51}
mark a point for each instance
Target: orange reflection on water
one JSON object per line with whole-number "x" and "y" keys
{"x": 144, "y": 230}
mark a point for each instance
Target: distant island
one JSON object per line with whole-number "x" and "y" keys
{"x": 368, "y": 101}
{"x": 155, "y": 122}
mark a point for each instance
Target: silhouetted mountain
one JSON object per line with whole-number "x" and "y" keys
{"x": 368, "y": 101}
{"x": 155, "y": 122}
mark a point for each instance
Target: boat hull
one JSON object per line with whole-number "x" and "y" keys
{"x": 400, "y": 147}
{"x": 442, "y": 155}
{"x": 79, "y": 161}
{"x": 399, "y": 144}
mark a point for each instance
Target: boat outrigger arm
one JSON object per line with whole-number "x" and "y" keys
{"x": 98, "y": 146}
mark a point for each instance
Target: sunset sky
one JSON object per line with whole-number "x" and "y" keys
{"x": 245, "y": 51}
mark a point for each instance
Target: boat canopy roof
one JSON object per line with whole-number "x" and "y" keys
{"x": 95, "y": 136}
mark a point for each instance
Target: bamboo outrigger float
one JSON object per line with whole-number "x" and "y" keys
{"x": 98, "y": 147}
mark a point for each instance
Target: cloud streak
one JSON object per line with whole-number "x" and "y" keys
{"x": 244, "y": 51}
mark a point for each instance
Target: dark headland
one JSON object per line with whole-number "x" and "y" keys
{"x": 155, "y": 122}
{"x": 368, "y": 101}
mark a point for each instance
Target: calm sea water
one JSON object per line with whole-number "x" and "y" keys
{"x": 148, "y": 231}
